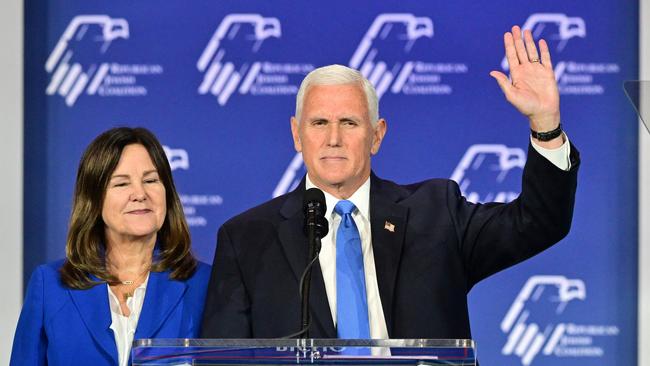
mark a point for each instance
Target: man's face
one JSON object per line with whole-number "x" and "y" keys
{"x": 336, "y": 137}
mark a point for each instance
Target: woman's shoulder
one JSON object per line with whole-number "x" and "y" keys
{"x": 202, "y": 273}
{"x": 203, "y": 267}
{"x": 49, "y": 271}
{"x": 45, "y": 286}
{"x": 197, "y": 284}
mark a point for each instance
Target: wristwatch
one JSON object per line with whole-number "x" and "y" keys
{"x": 547, "y": 136}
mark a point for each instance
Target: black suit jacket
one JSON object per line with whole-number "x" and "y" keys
{"x": 440, "y": 247}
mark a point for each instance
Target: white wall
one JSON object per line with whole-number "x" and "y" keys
{"x": 644, "y": 192}
{"x": 11, "y": 168}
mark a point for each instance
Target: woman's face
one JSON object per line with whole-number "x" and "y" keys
{"x": 134, "y": 201}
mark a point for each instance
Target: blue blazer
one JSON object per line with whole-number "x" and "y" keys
{"x": 63, "y": 326}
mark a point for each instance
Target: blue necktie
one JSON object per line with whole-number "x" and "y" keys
{"x": 351, "y": 303}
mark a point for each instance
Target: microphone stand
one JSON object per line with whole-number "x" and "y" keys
{"x": 316, "y": 227}
{"x": 314, "y": 250}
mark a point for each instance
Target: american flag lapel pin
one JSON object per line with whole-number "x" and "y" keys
{"x": 389, "y": 226}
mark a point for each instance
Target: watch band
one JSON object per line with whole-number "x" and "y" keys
{"x": 547, "y": 136}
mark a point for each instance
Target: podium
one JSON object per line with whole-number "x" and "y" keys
{"x": 457, "y": 352}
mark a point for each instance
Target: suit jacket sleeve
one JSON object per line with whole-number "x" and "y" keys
{"x": 30, "y": 342}
{"x": 226, "y": 295}
{"x": 495, "y": 236}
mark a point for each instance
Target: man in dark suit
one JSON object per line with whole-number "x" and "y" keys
{"x": 420, "y": 247}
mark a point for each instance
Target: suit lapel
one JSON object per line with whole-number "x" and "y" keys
{"x": 161, "y": 298}
{"x": 388, "y": 225}
{"x": 295, "y": 246}
{"x": 292, "y": 237}
{"x": 94, "y": 308}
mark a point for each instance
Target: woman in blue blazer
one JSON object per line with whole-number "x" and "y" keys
{"x": 128, "y": 273}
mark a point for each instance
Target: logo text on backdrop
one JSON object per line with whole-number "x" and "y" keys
{"x": 82, "y": 62}
{"x": 230, "y": 61}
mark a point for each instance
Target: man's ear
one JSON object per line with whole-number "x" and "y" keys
{"x": 296, "y": 134}
{"x": 378, "y": 135}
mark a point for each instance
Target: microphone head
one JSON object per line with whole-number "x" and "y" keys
{"x": 314, "y": 207}
{"x": 314, "y": 196}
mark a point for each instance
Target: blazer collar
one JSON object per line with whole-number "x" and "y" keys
{"x": 388, "y": 222}
{"x": 161, "y": 298}
{"x": 290, "y": 230}
{"x": 294, "y": 243}
{"x": 92, "y": 304}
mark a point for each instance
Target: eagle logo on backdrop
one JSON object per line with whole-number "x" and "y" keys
{"x": 490, "y": 172}
{"x": 198, "y": 206}
{"x": 72, "y": 63}
{"x": 227, "y": 68}
{"x": 398, "y": 33}
{"x": 541, "y": 322}
{"x": 81, "y": 62}
{"x": 526, "y": 323}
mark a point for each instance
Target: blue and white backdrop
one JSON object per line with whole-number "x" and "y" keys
{"x": 216, "y": 82}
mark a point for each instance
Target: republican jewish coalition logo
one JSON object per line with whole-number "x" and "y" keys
{"x": 535, "y": 325}
{"x": 561, "y": 31}
{"x": 490, "y": 173}
{"x": 386, "y": 57}
{"x": 80, "y": 61}
{"x": 368, "y": 56}
{"x": 230, "y": 63}
{"x": 195, "y": 205}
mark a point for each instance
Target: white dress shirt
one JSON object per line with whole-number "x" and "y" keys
{"x": 327, "y": 257}
{"x": 361, "y": 199}
{"x": 124, "y": 326}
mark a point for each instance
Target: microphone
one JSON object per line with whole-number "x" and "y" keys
{"x": 314, "y": 207}
{"x": 316, "y": 227}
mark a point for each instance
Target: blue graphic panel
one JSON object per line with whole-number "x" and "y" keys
{"x": 216, "y": 82}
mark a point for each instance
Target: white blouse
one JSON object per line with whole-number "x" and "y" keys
{"x": 124, "y": 326}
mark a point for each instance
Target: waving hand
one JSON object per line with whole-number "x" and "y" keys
{"x": 532, "y": 88}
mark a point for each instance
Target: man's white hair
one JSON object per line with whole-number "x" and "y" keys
{"x": 339, "y": 75}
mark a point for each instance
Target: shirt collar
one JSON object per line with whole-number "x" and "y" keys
{"x": 360, "y": 198}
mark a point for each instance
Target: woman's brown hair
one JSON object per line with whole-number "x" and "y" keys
{"x": 85, "y": 264}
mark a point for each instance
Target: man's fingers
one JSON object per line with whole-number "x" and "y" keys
{"x": 546, "y": 55}
{"x": 531, "y": 50}
{"x": 520, "y": 48}
{"x": 511, "y": 54}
